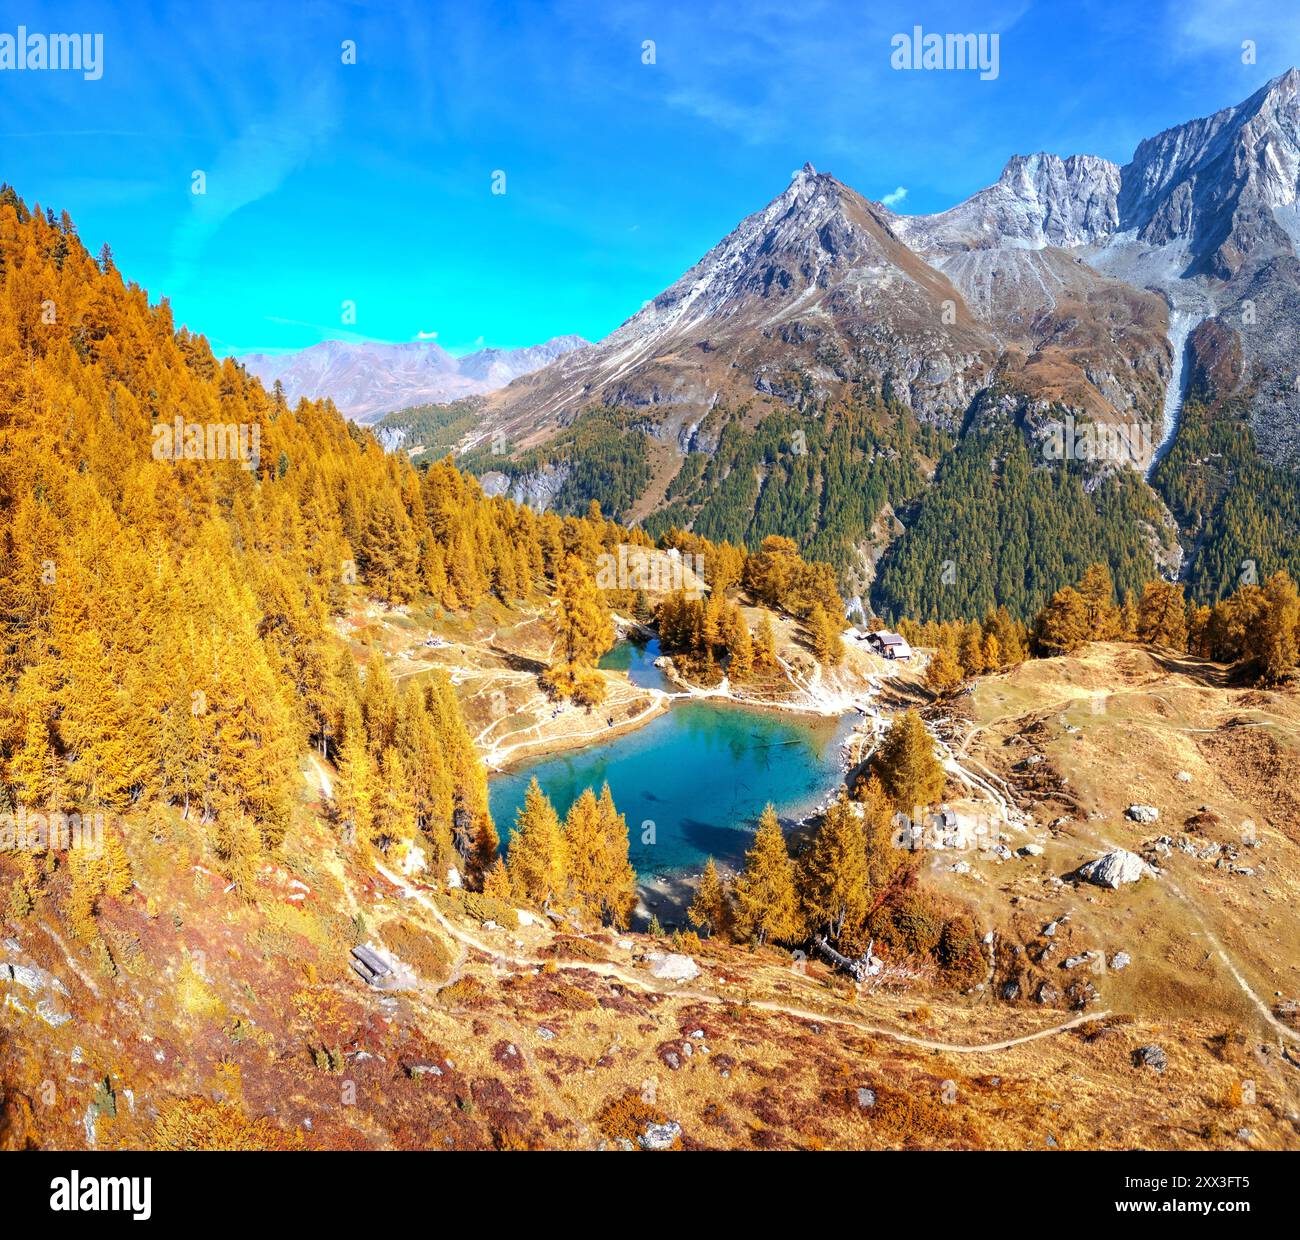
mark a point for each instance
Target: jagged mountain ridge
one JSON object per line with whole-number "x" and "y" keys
{"x": 368, "y": 379}
{"x": 816, "y": 272}
{"x": 1058, "y": 282}
{"x": 820, "y": 288}
{"x": 1211, "y": 183}
{"x": 1215, "y": 181}
{"x": 1039, "y": 200}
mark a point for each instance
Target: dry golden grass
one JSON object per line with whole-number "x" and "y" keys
{"x": 426, "y": 951}
{"x": 200, "y": 1124}
{"x": 465, "y": 992}
{"x": 549, "y": 1055}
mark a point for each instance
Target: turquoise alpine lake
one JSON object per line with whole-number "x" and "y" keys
{"x": 701, "y": 773}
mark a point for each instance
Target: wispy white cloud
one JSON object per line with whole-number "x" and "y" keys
{"x": 805, "y": 78}
{"x": 758, "y": 122}
{"x": 894, "y": 198}
{"x": 326, "y": 331}
{"x": 255, "y": 163}
{"x": 1223, "y": 26}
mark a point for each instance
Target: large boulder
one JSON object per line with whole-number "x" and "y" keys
{"x": 1151, "y": 1056}
{"x": 1114, "y": 869}
{"x": 51, "y": 1014}
{"x": 660, "y": 1136}
{"x": 414, "y": 861}
{"x": 672, "y": 967}
{"x": 1145, "y": 814}
{"x": 30, "y": 977}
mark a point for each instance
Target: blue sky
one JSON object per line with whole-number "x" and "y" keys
{"x": 371, "y": 182}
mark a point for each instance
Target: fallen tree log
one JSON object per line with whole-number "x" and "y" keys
{"x": 859, "y": 970}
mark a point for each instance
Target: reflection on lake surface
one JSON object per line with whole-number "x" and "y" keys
{"x": 701, "y": 773}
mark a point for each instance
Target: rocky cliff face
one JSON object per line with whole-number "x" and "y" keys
{"x": 823, "y": 288}
{"x": 1216, "y": 183}
{"x": 1219, "y": 196}
{"x": 1039, "y": 200}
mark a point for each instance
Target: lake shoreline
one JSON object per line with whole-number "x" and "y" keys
{"x": 500, "y": 759}
{"x": 694, "y": 783}
{"x": 524, "y": 752}
{"x": 796, "y": 754}
{"x": 668, "y": 894}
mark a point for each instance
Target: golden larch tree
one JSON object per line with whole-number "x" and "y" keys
{"x": 832, "y": 873}
{"x": 906, "y": 765}
{"x": 767, "y": 902}
{"x": 536, "y": 854}
{"x": 708, "y": 908}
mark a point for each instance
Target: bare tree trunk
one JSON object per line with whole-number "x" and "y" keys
{"x": 859, "y": 969}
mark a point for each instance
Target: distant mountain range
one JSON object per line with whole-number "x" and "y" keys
{"x": 367, "y": 380}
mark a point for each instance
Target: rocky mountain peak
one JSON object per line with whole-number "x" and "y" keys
{"x": 803, "y": 177}
{"x": 1214, "y": 182}
{"x": 815, "y": 226}
{"x": 1037, "y": 173}
{"x": 1070, "y": 270}
{"x": 817, "y": 273}
{"x": 1275, "y": 99}
{"x": 1039, "y": 200}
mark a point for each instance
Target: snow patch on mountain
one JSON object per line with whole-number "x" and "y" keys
{"x": 1189, "y": 308}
